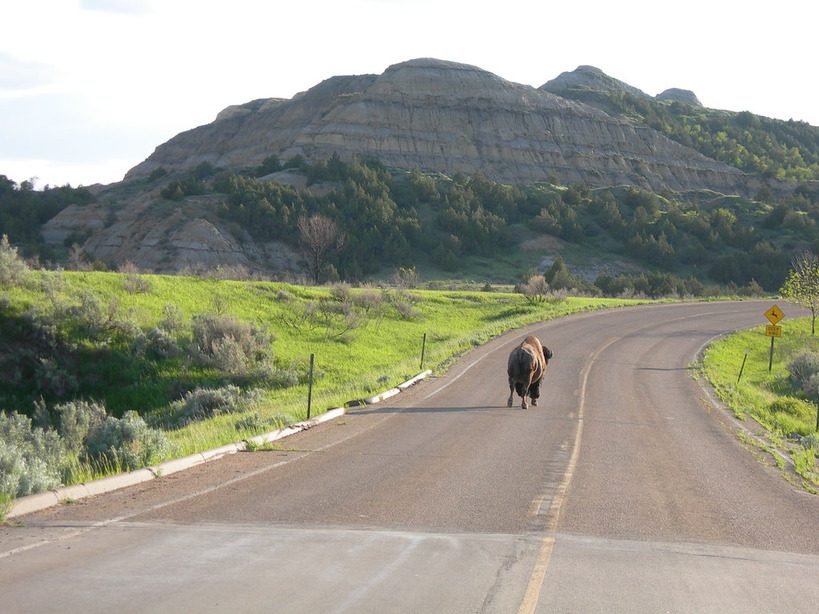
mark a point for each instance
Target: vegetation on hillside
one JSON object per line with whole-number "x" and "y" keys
{"x": 770, "y": 148}
{"x": 393, "y": 219}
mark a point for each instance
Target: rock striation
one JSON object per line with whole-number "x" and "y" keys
{"x": 441, "y": 116}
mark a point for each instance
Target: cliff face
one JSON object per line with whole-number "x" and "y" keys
{"x": 442, "y": 116}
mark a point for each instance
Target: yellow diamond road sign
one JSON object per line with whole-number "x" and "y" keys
{"x": 774, "y": 314}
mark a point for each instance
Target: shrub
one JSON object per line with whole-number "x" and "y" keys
{"x": 406, "y": 277}
{"x": 158, "y": 343}
{"x": 230, "y": 345}
{"x": 126, "y": 442}
{"x": 535, "y": 289}
{"x": 76, "y": 419}
{"x": 172, "y": 319}
{"x": 13, "y": 270}
{"x": 203, "y": 403}
{"x": 803, "y": 369}
{"x": 54, "y": 381}
{"x": 136, "y": 284}
{"x": 31, "y": 459}
{"x": 276, "y": 377}
{"x": 341, "y": 293}
{"x": 42, "y": 332}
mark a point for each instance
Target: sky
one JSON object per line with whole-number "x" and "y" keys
{"x": 89, "y": 88}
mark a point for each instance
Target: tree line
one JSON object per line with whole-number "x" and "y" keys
{"x": 393, "y": 219}
{"x": 390, "y": 219}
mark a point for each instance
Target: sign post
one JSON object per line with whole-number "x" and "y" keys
{"x": 773, "y": 330}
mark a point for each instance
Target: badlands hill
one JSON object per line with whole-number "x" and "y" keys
{"x": 737, "y": 190}
{"x": 446, "y": 117}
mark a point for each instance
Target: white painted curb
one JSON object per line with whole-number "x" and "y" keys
{"x": 380, "y": 397}
{"x": 414, "y": 380}
{"x": 43, "y": 500}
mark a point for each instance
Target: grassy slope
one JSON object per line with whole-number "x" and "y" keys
{"x": 758, "y": 392}
{"x": 375, "y": 357}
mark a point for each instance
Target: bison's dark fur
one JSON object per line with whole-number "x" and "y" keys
{"x": 526, "y": 367}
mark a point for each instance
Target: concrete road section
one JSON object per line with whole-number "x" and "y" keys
{"x": 625, "y": 490}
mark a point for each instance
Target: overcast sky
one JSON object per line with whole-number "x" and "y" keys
{"x": 88, "y": 88}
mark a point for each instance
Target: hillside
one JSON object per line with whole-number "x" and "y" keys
{"x": 771, "y": 149}
{"x": 457, "y": 172}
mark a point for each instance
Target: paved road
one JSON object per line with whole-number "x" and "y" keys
{"x": 624, "y": 491}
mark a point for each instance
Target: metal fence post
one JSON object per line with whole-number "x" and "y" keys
{"x": 310, "y": 386}
{"x": 423, "y": 350}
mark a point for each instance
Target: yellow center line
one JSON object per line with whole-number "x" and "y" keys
{"x": 532, "y": 594}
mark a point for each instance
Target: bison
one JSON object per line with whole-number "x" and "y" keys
{"x": 526, "y": 366}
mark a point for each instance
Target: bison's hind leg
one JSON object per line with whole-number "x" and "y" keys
{"x": 534, "y": 393}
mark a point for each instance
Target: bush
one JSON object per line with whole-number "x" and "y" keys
{"x": 535, "y": 289}
{"x": 76, "y": 419}
{"x": 203, "y": 403}
{"x": 229, "y": 355}
{"x": 158, "y": 343}
{"x": 276, "y": 377}
{"x": 222, "y": 341}
{"x": 804, "y": 370}
{"x": 127, "y": 442}
{"x": 54, "y": 381}
{"x": 136, "y": 284}
{"x": 13, "y": 270}
{"x": 31, "y": 460}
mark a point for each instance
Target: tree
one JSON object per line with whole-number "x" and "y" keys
{"x": 319, "y": 235}
{"x": 802, "y": 284}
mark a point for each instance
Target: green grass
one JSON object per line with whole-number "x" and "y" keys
{"x": 769, "y": 398}
{"x": 374, "y": 357}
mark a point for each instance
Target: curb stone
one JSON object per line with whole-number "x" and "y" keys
{"x": 51, "y": 498}
{"x": 389, "y": 393}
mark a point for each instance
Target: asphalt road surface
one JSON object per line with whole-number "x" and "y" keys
{"x": 625, "y": 490}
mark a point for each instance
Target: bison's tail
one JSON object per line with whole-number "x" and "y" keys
{"x": 520, "y": 388}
